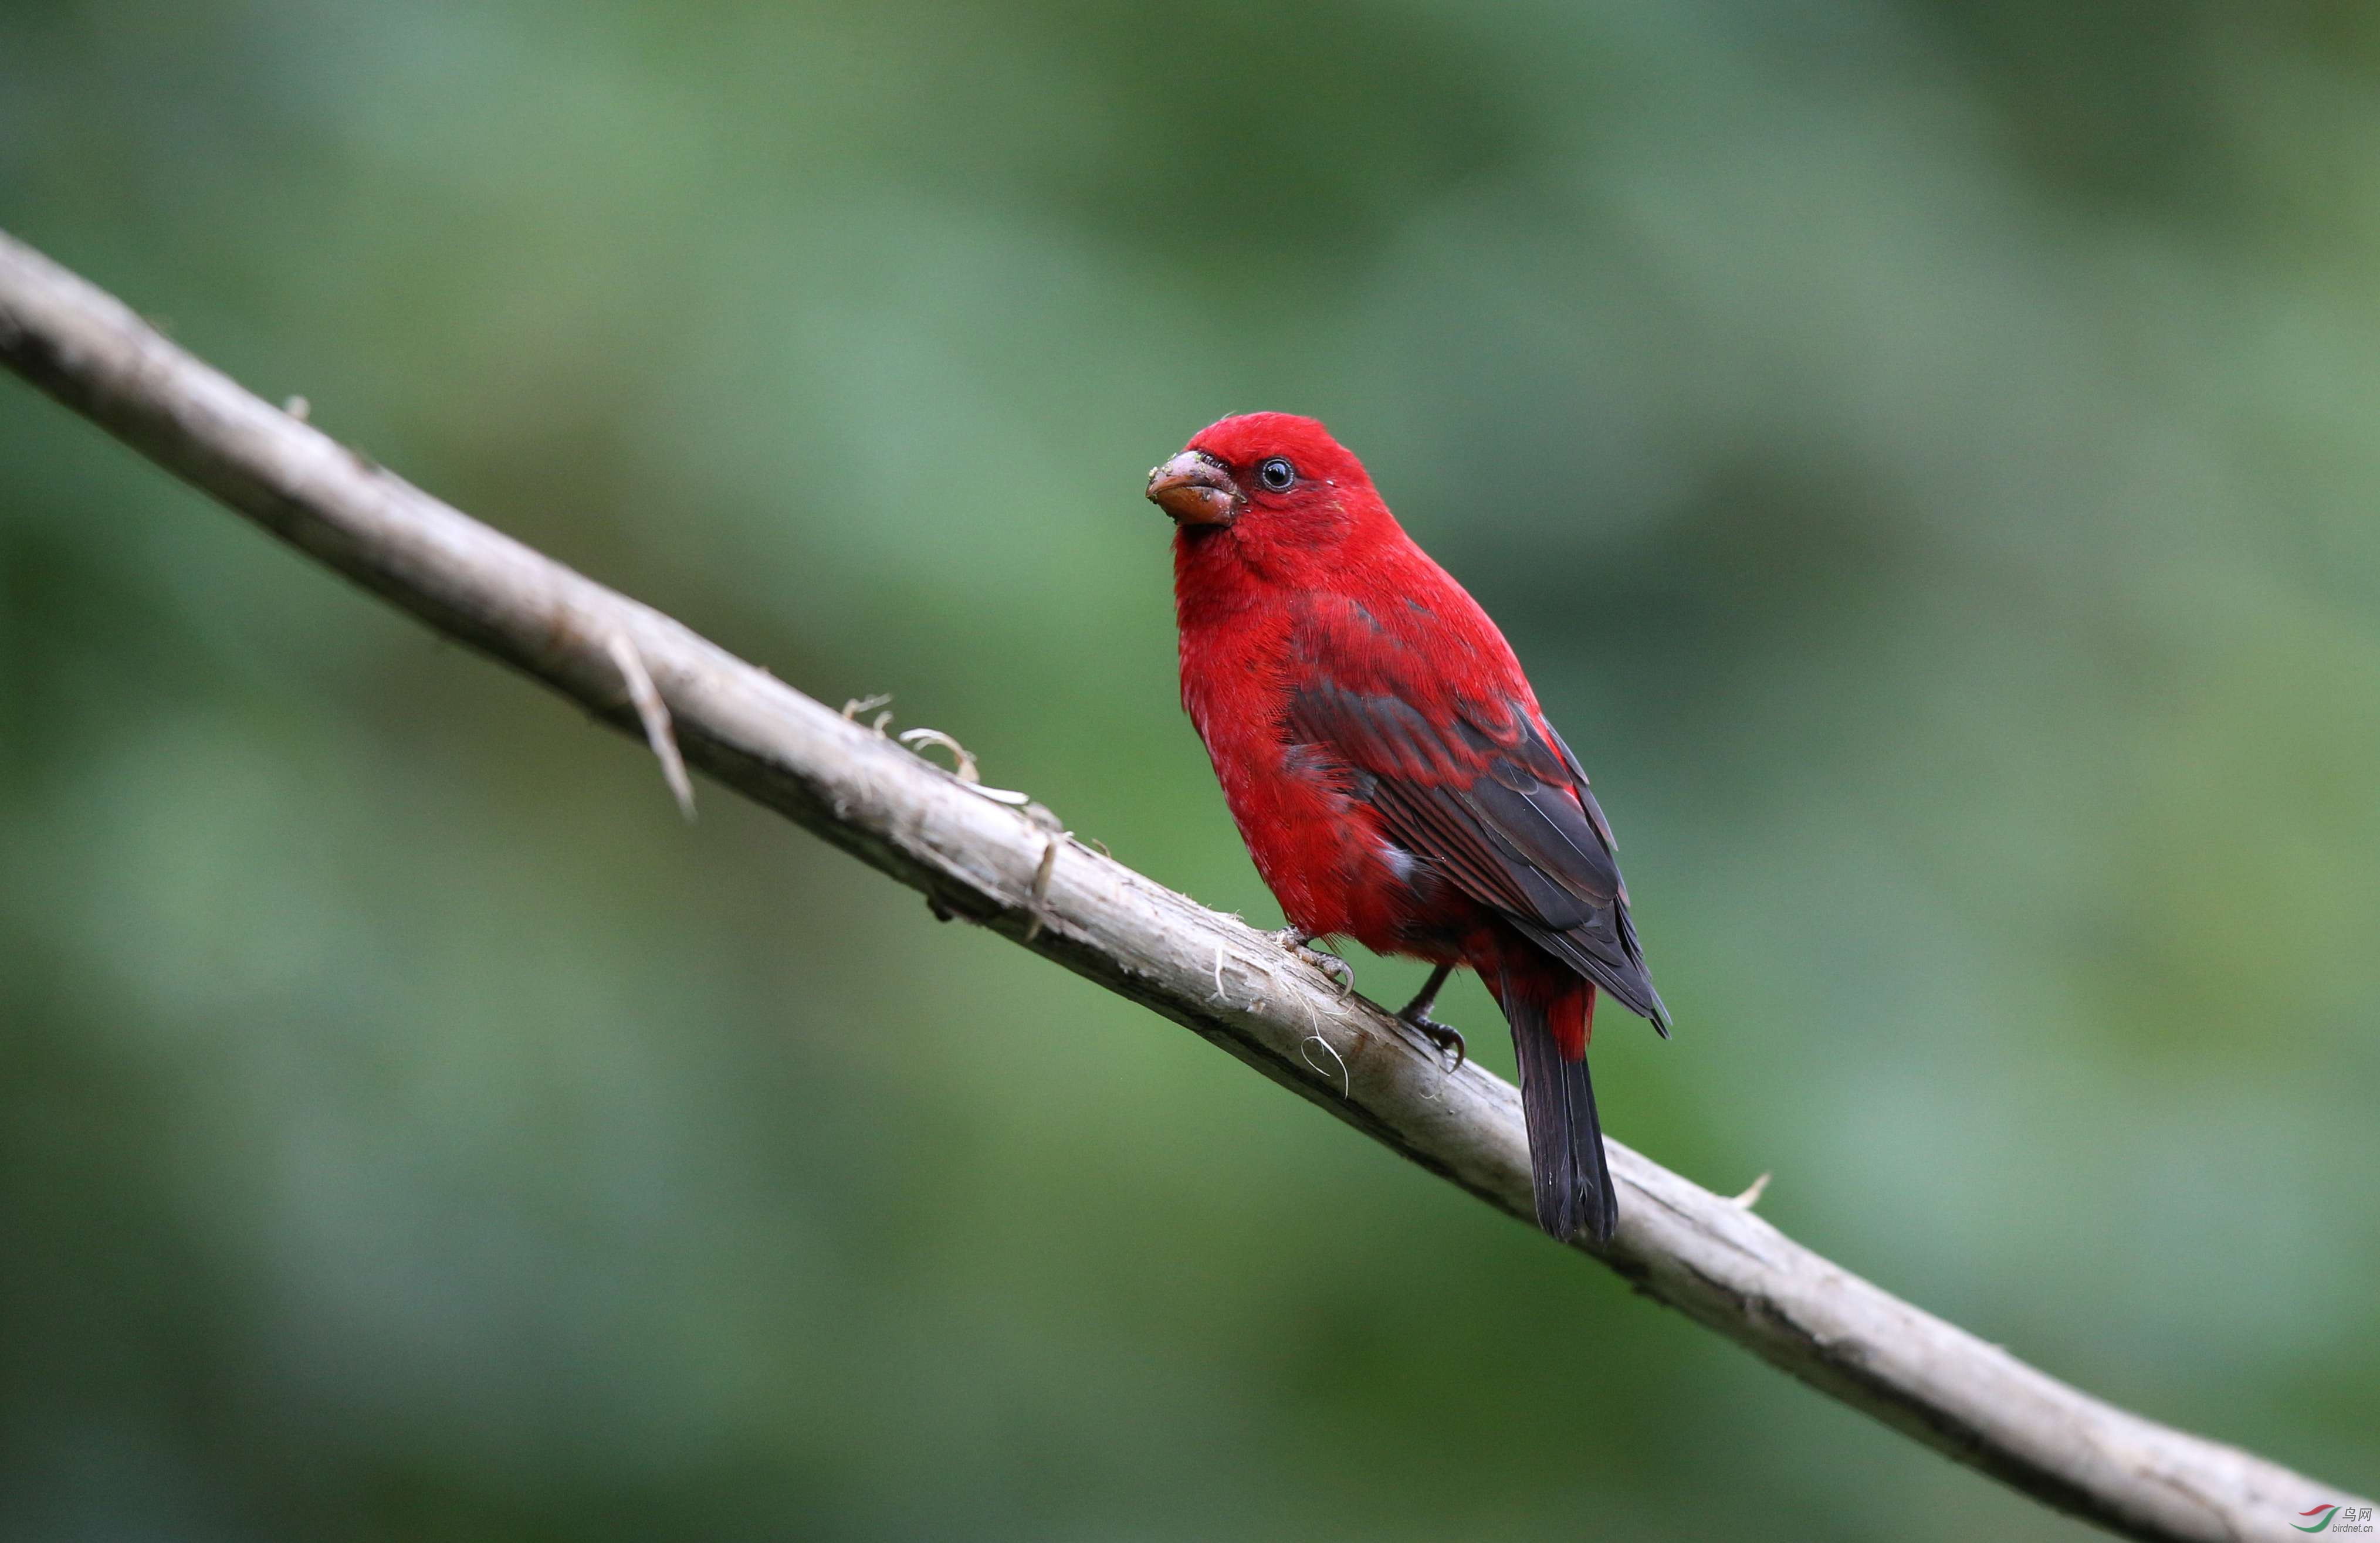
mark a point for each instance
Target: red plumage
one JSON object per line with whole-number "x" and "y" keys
{"x": 1390, "y": 767}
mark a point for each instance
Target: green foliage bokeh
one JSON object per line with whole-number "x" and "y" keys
{"x": 1925, "y": 454}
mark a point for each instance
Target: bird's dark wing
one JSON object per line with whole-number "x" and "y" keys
{"x": 1497, "y": 807}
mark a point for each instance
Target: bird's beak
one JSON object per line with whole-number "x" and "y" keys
{"x": 1196, "y": 489}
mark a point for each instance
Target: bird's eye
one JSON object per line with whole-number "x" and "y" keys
{"x": 1277, "y": 473}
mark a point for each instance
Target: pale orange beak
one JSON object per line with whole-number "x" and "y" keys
{"x": 1196, "y": 489}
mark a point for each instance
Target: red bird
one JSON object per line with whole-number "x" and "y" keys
{"x": 1392, "y": 772}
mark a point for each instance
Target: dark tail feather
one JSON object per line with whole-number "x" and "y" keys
{"x": 1573, "y": 1182}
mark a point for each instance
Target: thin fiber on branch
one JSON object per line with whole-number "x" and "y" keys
{"x": 977, "y": 855}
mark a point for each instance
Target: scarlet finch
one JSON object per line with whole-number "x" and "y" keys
{"x": 1392, "y": 772}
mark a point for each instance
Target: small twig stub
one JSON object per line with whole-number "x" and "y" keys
{"x": 653, "y": 713}
{"x": 962, "y": 759}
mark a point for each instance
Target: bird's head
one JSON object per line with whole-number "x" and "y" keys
{"x": 1274, "y": 476}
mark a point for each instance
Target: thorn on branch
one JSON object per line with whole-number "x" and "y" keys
{"x": 653, "y": 713}
{"x": 1751, "y": 1197}
{"x": 299, "y": 408}
{"x": 963, "y": 765}
{"x": 1037, "y": 910}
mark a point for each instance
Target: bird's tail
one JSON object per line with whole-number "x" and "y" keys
{"x": 1550, "y": 1032}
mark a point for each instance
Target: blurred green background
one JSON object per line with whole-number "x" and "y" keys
{"x": 1925, "y": 453}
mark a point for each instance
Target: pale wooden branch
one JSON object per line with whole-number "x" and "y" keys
{"x": 978, "y": 857}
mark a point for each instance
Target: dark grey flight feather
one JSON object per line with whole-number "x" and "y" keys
{"x": 1503, "y": 813}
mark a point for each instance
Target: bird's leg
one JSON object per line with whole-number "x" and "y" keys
{"x": 1415, "y": 1015}
{"x": 1298, "y": 941}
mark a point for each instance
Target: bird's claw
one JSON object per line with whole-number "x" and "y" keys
{"x": 1445, "y": 1036}
{"x": 1342, "y": 974}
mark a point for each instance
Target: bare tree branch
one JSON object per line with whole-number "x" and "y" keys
{"x": 975, "y": 855}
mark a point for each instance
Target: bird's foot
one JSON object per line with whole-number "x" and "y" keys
{"x": 1415, "y": 1015}
{"x": 1341, "y": 972}
{"x": 1445, "y": 1036}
